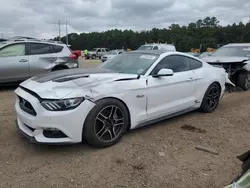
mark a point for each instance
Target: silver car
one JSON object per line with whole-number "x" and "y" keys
{"x": 157, "y": 46}
{"x": 111, "y": 54}
{"x": 23, "y": 58}
{"x": 96, "y": 53}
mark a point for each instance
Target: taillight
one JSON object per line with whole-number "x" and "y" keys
{"x": 73, "y": 56}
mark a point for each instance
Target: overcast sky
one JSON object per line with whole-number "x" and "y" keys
{"x": 39, "y": 18}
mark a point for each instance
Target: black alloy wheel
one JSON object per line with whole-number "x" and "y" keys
{"x": 106, "y": 123}
{"x": 211, "y": 98}
{"x": 109, "y": 123}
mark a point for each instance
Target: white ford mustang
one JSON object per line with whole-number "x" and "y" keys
{"x": 99, "y": 105}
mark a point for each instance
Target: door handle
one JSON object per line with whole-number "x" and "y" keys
{"x": 190, "y": 78}
{"x": 23, "y": 60}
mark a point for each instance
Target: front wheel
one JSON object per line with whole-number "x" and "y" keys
{"x": 243, "y": 80}
{"x": 211, "y": 98}
{"x": 106, "y": 123}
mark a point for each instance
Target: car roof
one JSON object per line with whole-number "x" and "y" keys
{"x": 158, "y": 52}
{"x": 32, "y": 41}
{"x": 237, "y": 44}
{"x": 157, "y": 44}
{"x": 150, "y": 52}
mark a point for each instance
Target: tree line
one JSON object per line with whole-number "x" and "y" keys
{"x": 200, "y": 34}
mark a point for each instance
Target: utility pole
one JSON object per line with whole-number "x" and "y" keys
{"x": 59, "y": 24}
{"x": 67, "y": 40}
{"x": 2, "y": 35}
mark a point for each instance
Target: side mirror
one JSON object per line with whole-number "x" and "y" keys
{"x": 164, "y": 72}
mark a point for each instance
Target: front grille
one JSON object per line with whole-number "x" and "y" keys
{"x": 26, "y": 106}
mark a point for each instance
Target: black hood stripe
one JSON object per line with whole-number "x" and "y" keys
{"x": 69, "y": 72}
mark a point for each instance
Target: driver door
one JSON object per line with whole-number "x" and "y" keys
{"x": 171, "y": 94}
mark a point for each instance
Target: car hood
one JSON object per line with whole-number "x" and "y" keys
{"x": 223, "y": 59}
{"x": 57, "y": 85}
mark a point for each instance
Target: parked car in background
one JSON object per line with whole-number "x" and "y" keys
{"x": 78, "y": 53}
{"x": 111, "y": 54}
{"x": 133, "y": 89}
{"x": 235, "y": 59}
{"x": 23, "y": 58}
{"x": 96, "y": 53}
{"x": 157, "y": 46}
{"x": 205, "y": 54}
{"x": 195, "y": 54}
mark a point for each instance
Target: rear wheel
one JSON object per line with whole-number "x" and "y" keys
{"x": 243, "y": 80}
{"x": 93, "y": 56}
{"x": 211, "y": 98}
{"x": 106, "y": 123}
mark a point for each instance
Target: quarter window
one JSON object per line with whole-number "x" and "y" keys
{"x": 13, "y": 50}
{"x": 37, "y": 49}
{"x": 195, "y": 64}
{"x": 56, "y": 48}
{"x": 177, "y": 63}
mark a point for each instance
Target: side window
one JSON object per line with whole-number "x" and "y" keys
{"x": 195, "y": 64}
{"x": 13, "y": 50}
{"x": 99, "y": 50}
{"x": 177, "y": 63}
{"x": 39, "y": 48}
{"x": 119, "y": 52}
{"x": 155, "y": 48}
{"x": 103, "y": 50}
{"x": 56, "y": 48}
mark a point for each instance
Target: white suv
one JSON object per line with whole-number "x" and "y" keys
{"x": 157, "y": 46}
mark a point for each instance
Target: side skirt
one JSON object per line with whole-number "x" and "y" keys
{"x": 164, "y": 117}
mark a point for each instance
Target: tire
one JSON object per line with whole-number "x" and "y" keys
{"x": 211, "y": 98}
{"x": 98, "y": 129}
{"x": 243, "y": 80}
{"x": 58, "y": 68}
{"x": 93, "y": 56}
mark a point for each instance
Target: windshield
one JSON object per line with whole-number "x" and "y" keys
{"x": 113, "y": 52}
{"x": 130, "y": 63}
{"x": 238, "y": 51}
{"x": 145, "y": 47}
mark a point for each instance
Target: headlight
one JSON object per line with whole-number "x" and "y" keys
{"x": 62, "y": 105}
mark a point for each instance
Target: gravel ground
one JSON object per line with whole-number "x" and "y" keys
{"x": 160, "y": 155}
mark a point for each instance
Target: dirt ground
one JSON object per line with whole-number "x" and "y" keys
{"x": 160, "y": 155}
